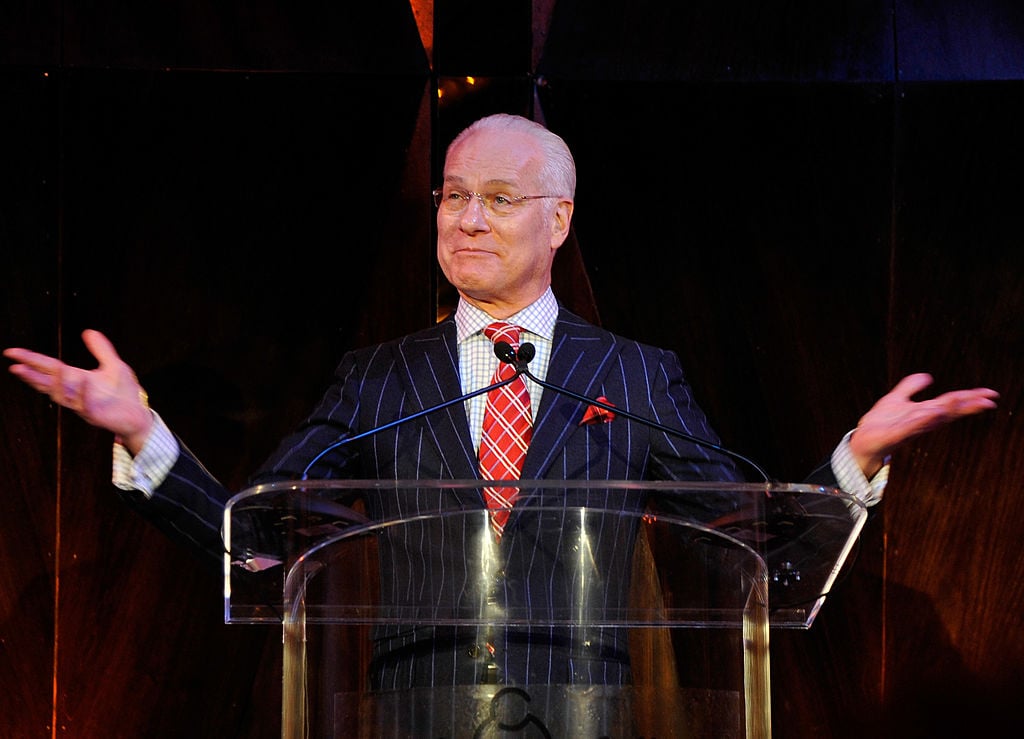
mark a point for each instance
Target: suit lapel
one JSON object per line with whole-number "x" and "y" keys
{"x": 581, "y": 355}
{"x": 430, "y": 372}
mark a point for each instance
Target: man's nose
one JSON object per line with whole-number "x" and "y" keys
{"x": 474, "y": 217}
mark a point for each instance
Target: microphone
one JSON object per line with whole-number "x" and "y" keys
{"x": 504, "y": 351}
{"x": 526, "y": 352}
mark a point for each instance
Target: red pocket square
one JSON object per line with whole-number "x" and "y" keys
{"x": 597, "y": 414}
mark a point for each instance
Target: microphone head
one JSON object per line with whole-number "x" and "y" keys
{"x": 526, "y": 352}
{"x": 504, "y": 351}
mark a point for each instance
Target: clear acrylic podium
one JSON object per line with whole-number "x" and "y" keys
{"x": 605, "y": 609}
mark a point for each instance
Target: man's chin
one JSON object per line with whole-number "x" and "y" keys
{"x": 478, "y": 284}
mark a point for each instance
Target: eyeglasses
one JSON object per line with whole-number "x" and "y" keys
{"x": 495, "y": 203}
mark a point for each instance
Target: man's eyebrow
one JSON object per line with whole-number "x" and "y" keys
{"x": 497, "y": 182}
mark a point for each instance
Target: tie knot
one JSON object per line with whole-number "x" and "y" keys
{"x": 501, "y": 331}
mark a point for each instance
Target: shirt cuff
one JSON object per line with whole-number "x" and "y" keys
{"x": 851, "y": 478}
{"x": 147, "y": 470}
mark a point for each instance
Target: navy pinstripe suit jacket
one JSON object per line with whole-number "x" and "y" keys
{"x": 379, "y": 384}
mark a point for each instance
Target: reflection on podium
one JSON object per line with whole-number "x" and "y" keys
{"x": 610, "y": 609}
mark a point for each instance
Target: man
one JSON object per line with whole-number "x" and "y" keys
{"x": 504, "y": 208}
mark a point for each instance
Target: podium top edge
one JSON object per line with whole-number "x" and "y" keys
{"x": 660, "y": 486}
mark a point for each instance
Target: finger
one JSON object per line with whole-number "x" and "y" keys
{"x": 34, "y": 378}
{"x": 37, "y": 370}
{"x": 966, "y": 402}
{"x": 15, "y": 353}
{"x": 62, "y": 384}
{"x": 33, "y": 360}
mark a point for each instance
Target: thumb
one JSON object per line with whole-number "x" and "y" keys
{"x": 100, "y": 347}
{"x": 912, "y": 384}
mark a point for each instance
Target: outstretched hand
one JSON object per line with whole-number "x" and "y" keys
{"x": 895, "y": 418}
{"x": 109, "y": 396}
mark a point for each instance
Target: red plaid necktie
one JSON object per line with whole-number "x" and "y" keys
{"x": 508, "y": 426}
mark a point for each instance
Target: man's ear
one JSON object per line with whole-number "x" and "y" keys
{"x": 560, "y": 221}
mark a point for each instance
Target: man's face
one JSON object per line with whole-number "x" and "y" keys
{"x": 501, "y": 263}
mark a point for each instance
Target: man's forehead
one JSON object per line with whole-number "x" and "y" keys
{"x": 489, "y": 157}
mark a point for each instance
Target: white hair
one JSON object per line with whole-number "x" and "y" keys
{"x": 558, "y": 171}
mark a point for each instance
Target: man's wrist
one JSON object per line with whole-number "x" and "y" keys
{"x": 149, "y": 466}
{"x": 136, "y": 439}
{"x": 851, "y": 477}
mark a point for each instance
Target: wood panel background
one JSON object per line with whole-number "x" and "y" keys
{"x": 805, "y": 200}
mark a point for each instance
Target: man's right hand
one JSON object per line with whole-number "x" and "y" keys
{"x": 109, "y": 396}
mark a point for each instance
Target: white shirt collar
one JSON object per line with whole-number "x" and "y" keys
{"x": 538, "y": 318}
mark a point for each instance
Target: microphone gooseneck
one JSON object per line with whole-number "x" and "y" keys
{"x": 507, "y": 356}
{"x": 527, "y": 352}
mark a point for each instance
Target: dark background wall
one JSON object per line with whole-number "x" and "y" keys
{"x": 805, "y": 200}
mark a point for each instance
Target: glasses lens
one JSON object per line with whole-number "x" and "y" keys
{"x": 456, "y": 201}
{"x": 452, "y": 201}
{"x": 501, "y": 205}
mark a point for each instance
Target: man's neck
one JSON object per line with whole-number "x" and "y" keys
{"x": 501, "y": 310}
